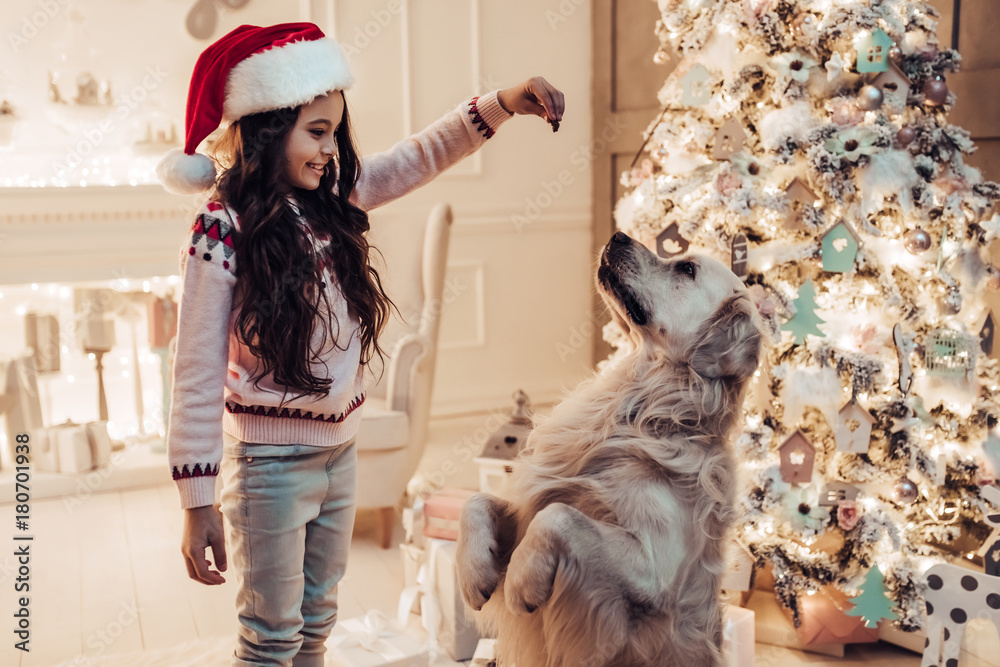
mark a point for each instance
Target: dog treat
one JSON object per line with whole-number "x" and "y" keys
{"x": 553, "y": 123}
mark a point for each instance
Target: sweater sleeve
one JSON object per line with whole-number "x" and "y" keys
{"x": 201, "y": 360}
{"x": 416, "y": 160}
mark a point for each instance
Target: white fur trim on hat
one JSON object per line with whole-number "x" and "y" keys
{"x": 184, "y": 174}
{"x": 285, "y": 76}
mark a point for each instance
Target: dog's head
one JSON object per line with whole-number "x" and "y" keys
{"x": 691, "y": 308}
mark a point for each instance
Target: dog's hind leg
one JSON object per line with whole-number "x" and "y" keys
{"x": 486, "y": 535}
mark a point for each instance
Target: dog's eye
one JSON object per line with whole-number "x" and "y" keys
{"x": 687, "y": 268}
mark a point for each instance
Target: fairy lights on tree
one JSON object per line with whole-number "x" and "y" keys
{"x": 809, "y": 139}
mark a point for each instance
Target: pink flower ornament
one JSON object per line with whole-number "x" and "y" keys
{"x": 848, "y": 514}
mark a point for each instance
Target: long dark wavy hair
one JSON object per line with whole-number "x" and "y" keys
{"x": 279, "y": 276}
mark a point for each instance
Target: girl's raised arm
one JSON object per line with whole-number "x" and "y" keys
{"x": 416, "y": 160}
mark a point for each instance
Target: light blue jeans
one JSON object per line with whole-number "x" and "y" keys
{"x": 289, "y": 513}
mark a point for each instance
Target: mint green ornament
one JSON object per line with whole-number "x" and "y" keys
{"x": 804, "y": 322}
{"x": 873, "y": 52}
{"x": 871, "y": 604}
{"x": 840, "y": 248}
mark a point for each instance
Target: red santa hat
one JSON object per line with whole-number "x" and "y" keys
{"x": 250, "y": 70}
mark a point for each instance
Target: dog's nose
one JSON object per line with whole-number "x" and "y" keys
{"x": 621, "y": 237}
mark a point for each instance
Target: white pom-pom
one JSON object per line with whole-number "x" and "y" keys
{"x": 184, "y": 174}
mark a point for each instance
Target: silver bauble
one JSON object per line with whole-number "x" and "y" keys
{"x": 905, "y": 491}
{"x": 895, "y": 54}
{"x": 916, "y": 241}
{"x": 869, "y": 97}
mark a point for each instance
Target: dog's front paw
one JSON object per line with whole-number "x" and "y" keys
{"x": 532, "y": 570}
{"x": 478, "y": 561}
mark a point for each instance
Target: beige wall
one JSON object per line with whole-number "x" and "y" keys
{"x": 977, "y": 85}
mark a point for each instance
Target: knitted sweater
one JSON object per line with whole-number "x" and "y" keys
{"x": 213, "y": 388}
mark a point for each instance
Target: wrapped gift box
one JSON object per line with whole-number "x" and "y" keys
{"x": 824, "y": 620}
{"x": 772, "y": 626}
{"x": 738, "y": 638}
{"x": 72, "y": 449}
{"x": 373, "y": 641}
{"x": 442, "y": 511}
{"x": 457, "y": 633}
{"x": 441, "y": 608}
{"x": 485, "y": 655}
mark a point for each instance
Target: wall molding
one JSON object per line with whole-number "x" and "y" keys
{"x": 478, "y": 267}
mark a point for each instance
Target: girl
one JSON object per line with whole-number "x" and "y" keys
{"x": 279, "y": 313}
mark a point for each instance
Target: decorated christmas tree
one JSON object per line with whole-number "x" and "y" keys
{"x": 808, "y": 141}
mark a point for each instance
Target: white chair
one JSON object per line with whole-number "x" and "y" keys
{"x": 393, "y": 431}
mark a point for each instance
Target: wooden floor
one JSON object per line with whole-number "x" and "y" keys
{"x": 107, "y": 577}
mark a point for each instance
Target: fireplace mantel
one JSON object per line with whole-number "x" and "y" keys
{"x": 97, "y": 233}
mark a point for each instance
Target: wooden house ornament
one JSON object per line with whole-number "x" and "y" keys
{"x": 986, "y": 333}
{"x": 738, "y": 575}
{"x": 670, "y": 243}
{"x": 799, "y": 197}
{"x": 873, "y": 52}
{"x": 853, "y": 430}
{"x": 739, "y": 254}
{"x": 797, "y": 457}
{"x": 840, "y": 248}
{"x": 695, "y": 91}
{"x": 835, "y": 493}
{"x": 729, "y": 139}
{"x": 894, "y": 86}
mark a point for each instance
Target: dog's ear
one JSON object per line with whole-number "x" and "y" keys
{"x": 728, "y": 343}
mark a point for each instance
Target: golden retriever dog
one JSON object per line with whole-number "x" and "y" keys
{"x": 609, "y": 546}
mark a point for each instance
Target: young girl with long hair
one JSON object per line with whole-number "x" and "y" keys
{"x": 280, "y": 312}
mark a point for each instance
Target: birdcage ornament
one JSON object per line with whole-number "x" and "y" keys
{"x": 947, "y": 352}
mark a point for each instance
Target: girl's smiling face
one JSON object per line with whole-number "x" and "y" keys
{"x": 311, "y": 145}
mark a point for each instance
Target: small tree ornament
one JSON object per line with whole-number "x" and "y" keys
{"x": 840, "y": 248}
{"x": 729, "y": 140}
{"x": 935, "y": 92}
{"x": 894, "y": 85}
{"x": 905, "y": 491}
{"x": 873, "y": 52}
{"x": 946, "y": 352}
{"x": 797, "y": 457}
{"x": 986, "y": 334}
{"x": 836, "y": 492}
{"x": 905, "y": 381}
{"x": 872, "y": 605}
{"x": 917, "y": 241}
{"x": 804, "y": 322}
{"x": 670, "y": 243}
{"x": 695, "y": 92}
{"x": 870, "y": 97}
{"x": 738, "y": 256}
{"x": 854, "y": 428}
{"x": 800, "y": 197}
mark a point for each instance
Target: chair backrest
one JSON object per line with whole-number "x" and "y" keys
{"x": 412, "y": 261}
